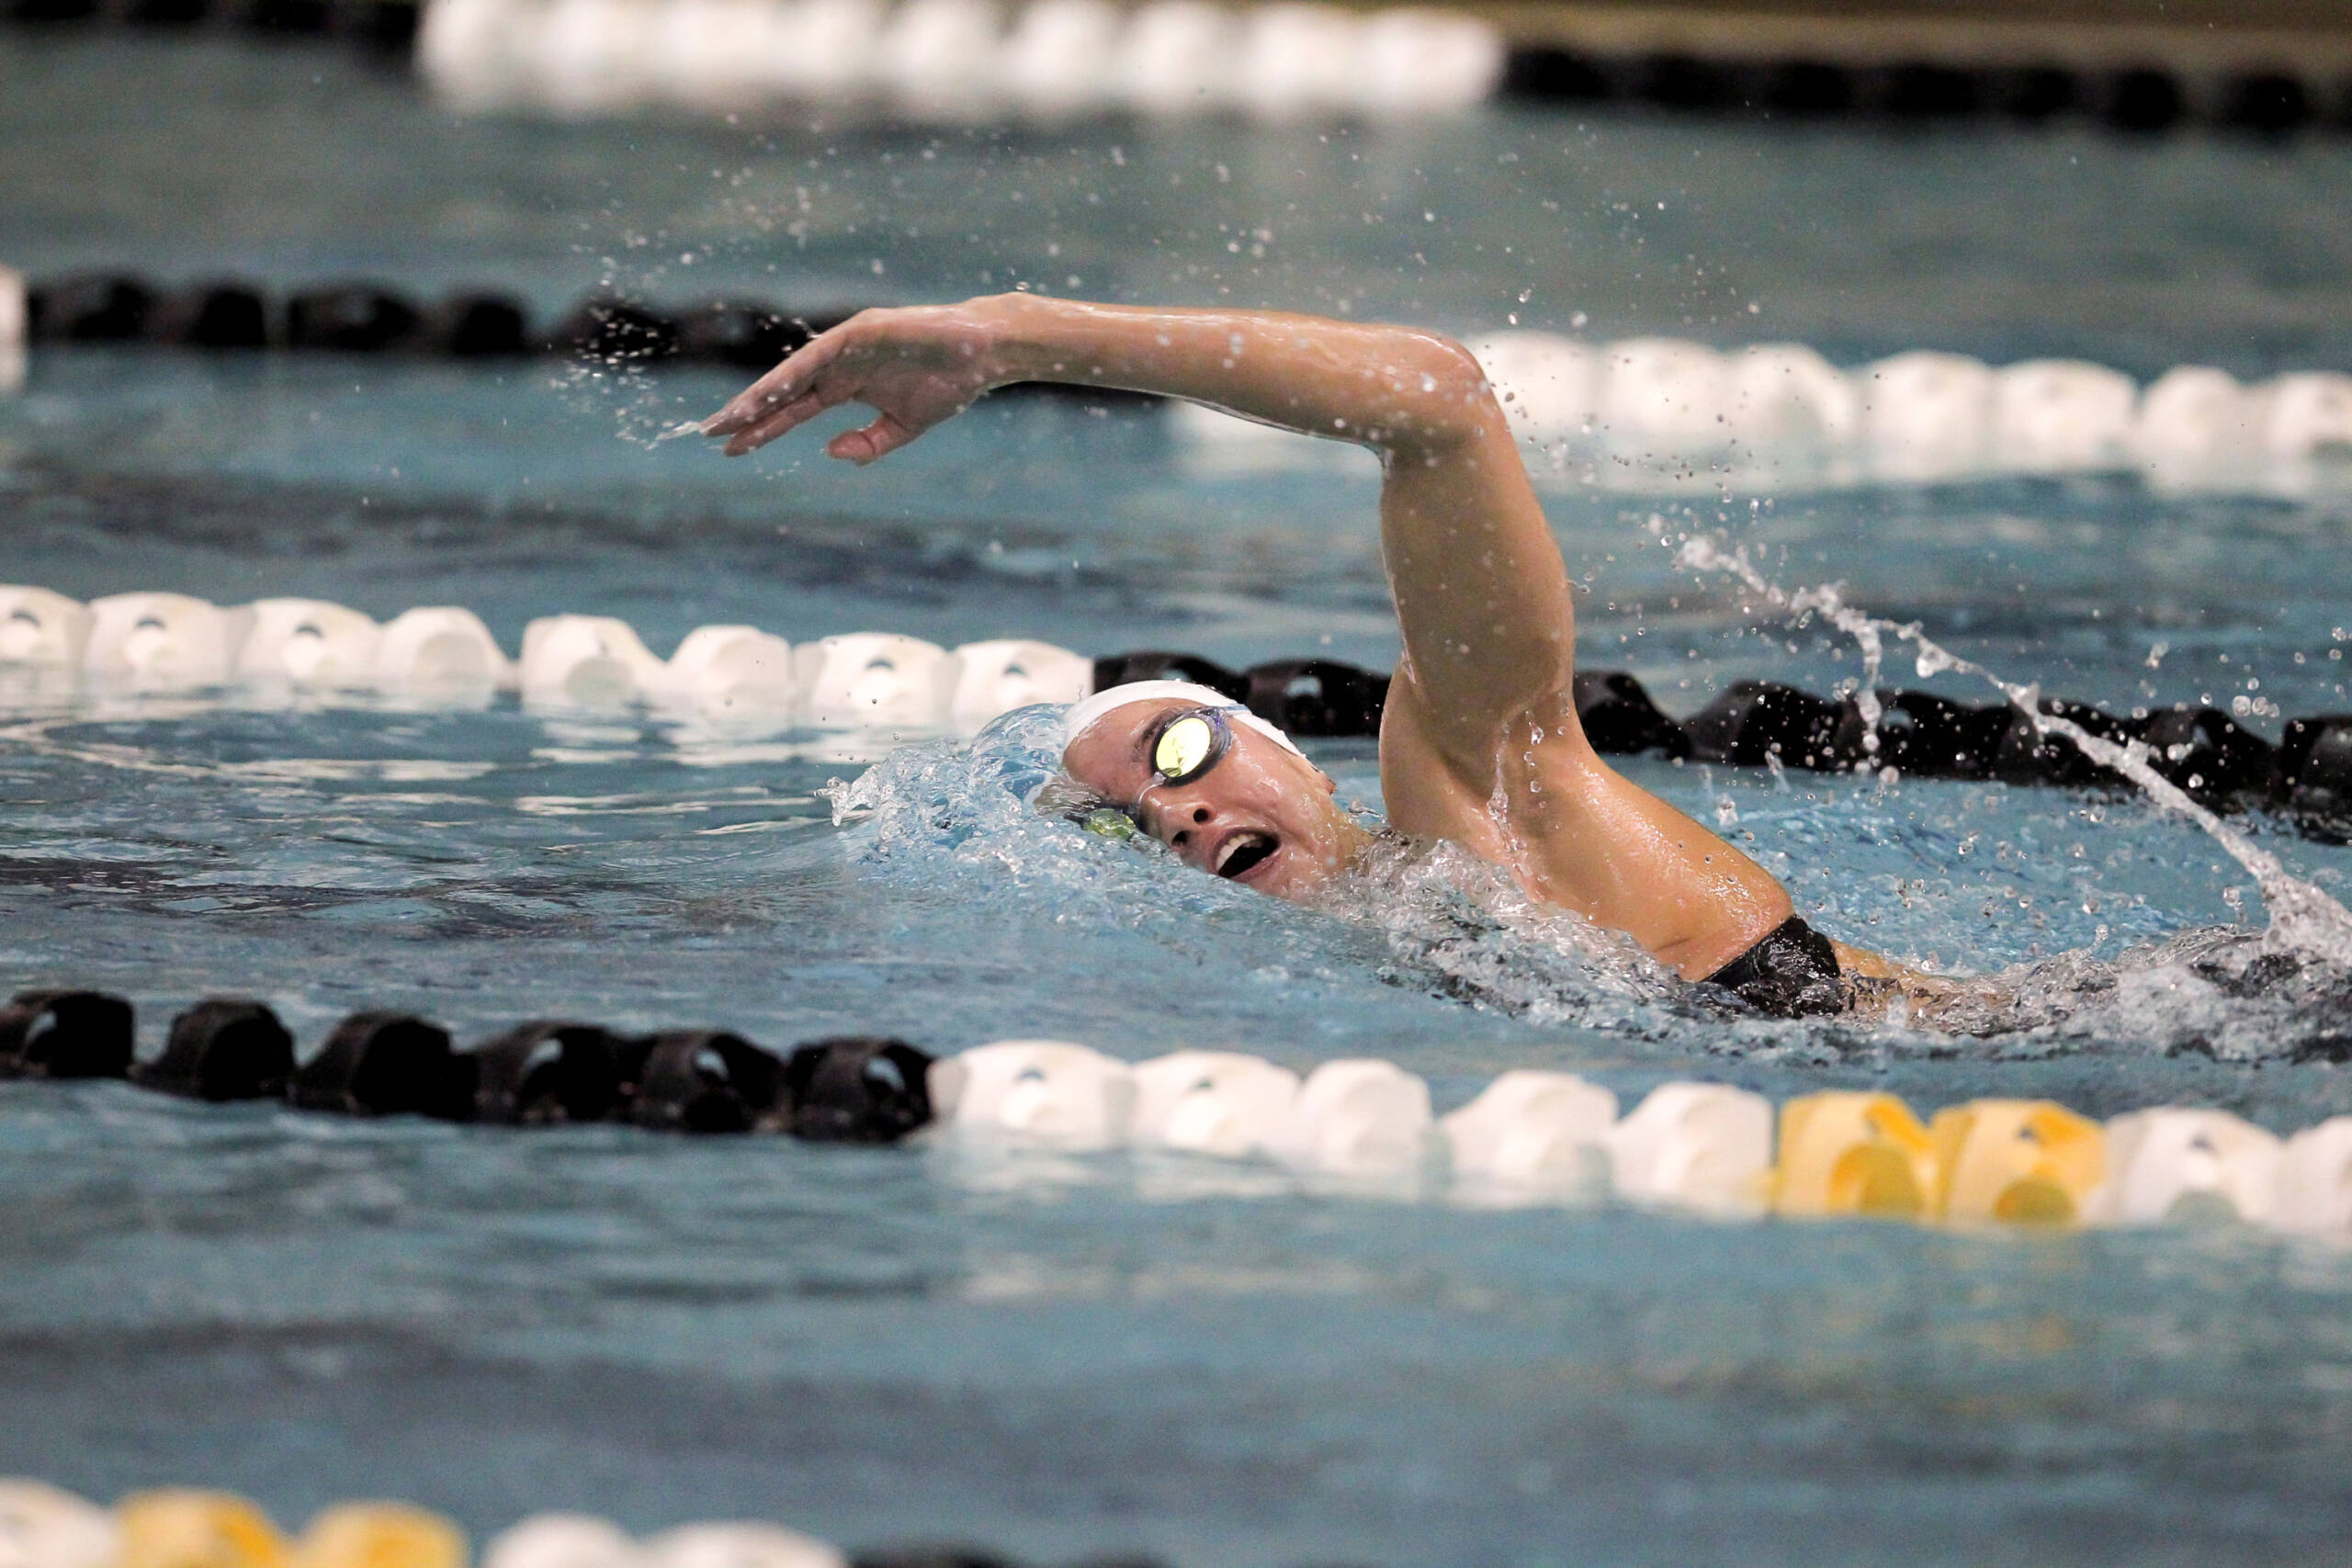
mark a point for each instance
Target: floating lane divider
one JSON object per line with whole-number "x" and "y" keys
{"x": 1640, "y": 415}
{"x": 1351, "y": 1125}
{"x": 884, "y": 687}
{"x": 1051, "y": 61}
{"x": 960, "y": 61}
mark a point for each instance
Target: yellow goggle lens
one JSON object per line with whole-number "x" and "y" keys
{"x": 1183, "y": 745}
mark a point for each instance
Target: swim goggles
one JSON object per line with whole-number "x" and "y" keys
{"x": 1188, "y": 743}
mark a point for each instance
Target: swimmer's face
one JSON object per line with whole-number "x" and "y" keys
{"x": 1262, "y": 815}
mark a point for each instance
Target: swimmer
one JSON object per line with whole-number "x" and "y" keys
{"x": 1480, "y": 742}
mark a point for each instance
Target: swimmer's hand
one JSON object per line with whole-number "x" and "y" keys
{"x": 915, "y": 367}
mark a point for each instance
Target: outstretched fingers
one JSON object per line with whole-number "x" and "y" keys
{"x": 780, "y": 387}
{"x": 764, "y": 427}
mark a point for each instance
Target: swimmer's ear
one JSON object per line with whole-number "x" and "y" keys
{"x": 1331, "y": 784}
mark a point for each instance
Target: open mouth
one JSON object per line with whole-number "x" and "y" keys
{"x": 1244, "y": 850}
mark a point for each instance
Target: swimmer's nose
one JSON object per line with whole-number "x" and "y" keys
{"x": 1185, "y": 825}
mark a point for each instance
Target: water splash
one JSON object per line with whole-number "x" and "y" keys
{"x": 2305, "y": 923}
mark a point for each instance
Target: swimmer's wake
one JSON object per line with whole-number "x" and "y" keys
{"x": 2305, "y": 923}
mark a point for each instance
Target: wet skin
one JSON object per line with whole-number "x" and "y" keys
{"x": 1480, "y": 741}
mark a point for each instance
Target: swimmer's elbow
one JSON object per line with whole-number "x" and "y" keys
{"x": 1447, "y": 396}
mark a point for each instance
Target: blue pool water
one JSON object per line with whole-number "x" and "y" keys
{"x": 1072, "y": 1356}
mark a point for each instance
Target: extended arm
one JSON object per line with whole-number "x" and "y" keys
{"x": 1481, "y": 593}
{"x": 1480, "y": 742}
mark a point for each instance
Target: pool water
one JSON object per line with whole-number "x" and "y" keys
{"x": 1078, "y": 1356}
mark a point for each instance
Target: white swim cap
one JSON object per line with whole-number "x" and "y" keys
{"x": 1083, "y": 716}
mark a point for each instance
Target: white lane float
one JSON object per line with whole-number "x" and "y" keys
{"x": 1298, "y": 61}
{"x": 2062, "y": 416}
{"x": 562, "y": 1541}
{"x": 1534, "y": 1131}
{"x": 1783, "y": 402}
{"x": 1926, "y": 417}
{"x": 2313, "y": 1196}
{"x": 2196, "y": 428}
{"x": 46, "y": 1527}
{"x": 985, "y": 681}
{"x": 1415, "y": 61}
{"x": 1213, "y": 1103}
{"x": 1176, "y": 58}
{"x": 733, "y": 671}
{"x": 2174, "y": 1163}
{"x": 40, "y": 626}
{"x": 714, "y": 54}
{"x": 827, "y": 48}
{"x": 939, "y": 58}
{"x": 1662, "y": 402}
{"x": 1056, "y": 59}
{"x": 163, "y": 641}
{"x": 439, "y": 651}
{"x": 593, "y": 57}
{"x": 2306, "y": 418}
{"x": 1702, "y": 1145}
{"x": 749, "y": 1544}
{"x": 869, "y": 680}
{"x": 587, "y": 661}
{"x": 1356, "y": 1117}
{"x": 308, "y": 642}
{"x": 1049, "y": 1091}
{"x": 1549, "y": 386}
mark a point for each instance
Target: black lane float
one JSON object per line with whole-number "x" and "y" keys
{"x": 848, "y": 1089}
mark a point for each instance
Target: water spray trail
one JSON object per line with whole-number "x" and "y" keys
{"x": 2303, "y": 920}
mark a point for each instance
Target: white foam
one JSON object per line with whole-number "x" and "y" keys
{"x": 1700, "y": 1144}
{"x": 587, "y": 661}
{"x": 985, "y": 681}
{"x": 309, "y": 642}
{"x": 870, "y": 681}
{"x": 1217, "y": 1102}
{"x": 1050, "y": 1091}
{"x": 1357, "y": 1117}
{"x": 162, "y": 641}
{"x": 2172, "y": 1163}
{"x": 1532, "y": 1131}
{"x": 562, "y": 1541}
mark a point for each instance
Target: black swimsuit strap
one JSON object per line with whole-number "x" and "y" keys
{"x": 1792, "y": 972}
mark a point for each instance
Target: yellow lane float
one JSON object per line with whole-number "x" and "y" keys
{"x": 2016, "y": 1161}
{"x": 1851, "y": 1153}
